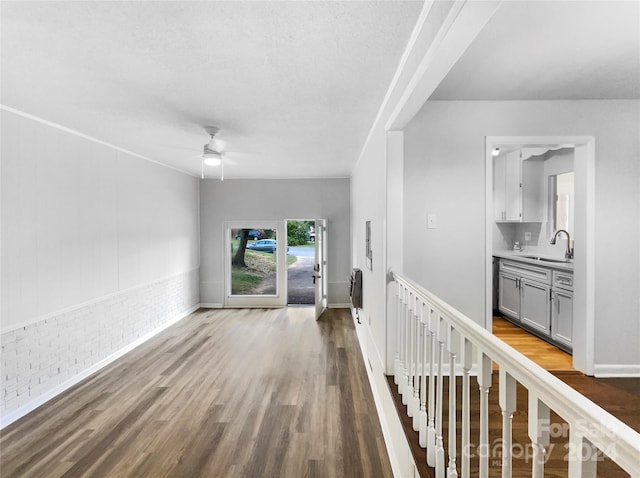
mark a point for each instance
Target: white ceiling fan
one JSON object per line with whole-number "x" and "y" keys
{"x": 213, "y": 152}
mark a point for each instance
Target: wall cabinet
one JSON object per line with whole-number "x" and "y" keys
{"x": 518, "y": 189}
{"x": 539, "y": 299}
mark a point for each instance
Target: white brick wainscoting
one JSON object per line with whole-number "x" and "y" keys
{"x": 45, "y": 356}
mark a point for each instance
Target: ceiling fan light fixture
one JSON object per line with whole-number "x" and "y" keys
{"x": 215, "y": 146}
{"x": 212, "y": 159}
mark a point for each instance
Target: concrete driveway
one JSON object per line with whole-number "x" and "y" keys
{"x": 300, "y": 281}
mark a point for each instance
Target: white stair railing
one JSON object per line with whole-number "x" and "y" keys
{"x": 429, "y": 331}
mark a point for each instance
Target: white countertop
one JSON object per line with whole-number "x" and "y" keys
{"x": 521, "y": 256}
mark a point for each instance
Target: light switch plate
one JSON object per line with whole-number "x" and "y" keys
{"x": 527, "y": 236}
{"x": 432, "y": 221}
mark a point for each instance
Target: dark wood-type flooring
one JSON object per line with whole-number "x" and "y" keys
{"x": 223, "y": 393}
{"x": 620, "y": 397}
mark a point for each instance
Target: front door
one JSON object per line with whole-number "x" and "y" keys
{"x": 320, "y": 267}
{"x": 255, "y": 263}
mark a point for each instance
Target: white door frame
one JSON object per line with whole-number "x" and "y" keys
{"x": 584, "y": 262}
{"x": 320, "y": 267}
{"x": 280, "y": 297}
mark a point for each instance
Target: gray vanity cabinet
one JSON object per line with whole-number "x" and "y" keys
{"x": 534, "y": 306}
{"x": 509, "y": 295}
{"x": 523, "y": 294}
{"x": 537, "y": 298}
{"x": 562, "y": 309}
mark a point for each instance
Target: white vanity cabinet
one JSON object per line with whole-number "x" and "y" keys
{"x": 518, "y": 189}
{"x": 523, "y": 295}
{"x": 562, "y": 309}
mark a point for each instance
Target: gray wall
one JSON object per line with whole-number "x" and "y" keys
{"x": 444, "y": 174}
{"x": 99, "y": 249}
{"x": 276, "y": 199}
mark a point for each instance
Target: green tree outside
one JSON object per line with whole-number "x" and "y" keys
{"x": 298, "y": 232}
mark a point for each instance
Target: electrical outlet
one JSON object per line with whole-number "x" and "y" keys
{"x": 527, "y": 236}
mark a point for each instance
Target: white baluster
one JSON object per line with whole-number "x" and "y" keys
{"x": 426, "y": 349}
{"x": 411, "y": 408}
{"x": 467, "y": 362}
{"x": 442, "y": 337}
{"x": 406, "y": 398}
{"x": 418, "y": 368}
{"x": 403, "y": 306}
{"x": 484, "y": 382}
{"x": 507, "y": 400}
{"x": 431, "y": 428}
{"x": 538, "y": 433}
{"x": 452, "y": 346}
{"x": 396, "y": 363}
{"x": 582, "y": 456}
{"x": 404, "y": 380}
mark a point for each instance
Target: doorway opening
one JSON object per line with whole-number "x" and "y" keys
{"x": 301, "y": 262}
{"x": 307, "y": 278}
{"x": 530, "y": 298}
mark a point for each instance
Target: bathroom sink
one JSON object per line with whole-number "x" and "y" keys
{"x": 547, "y": 259}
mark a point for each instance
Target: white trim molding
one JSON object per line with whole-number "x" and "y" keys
{"x": 584, "y": 262}
{"x": 74, "y": 132}
{"x": 616, "y": 370}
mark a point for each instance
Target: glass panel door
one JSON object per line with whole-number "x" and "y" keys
{"x": 320, "y": 268}
{"x": 256, "y": 253}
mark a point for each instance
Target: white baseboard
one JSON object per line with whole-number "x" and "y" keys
{"x": 14, "y": 415}
{"x": 214, "y": 305}
{"x": 396, "y": 443}
{"x": 616, "y": 370}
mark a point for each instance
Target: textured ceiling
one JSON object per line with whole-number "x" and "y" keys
{"x": 551, "y": 50}
{"x": 293, "y": 86}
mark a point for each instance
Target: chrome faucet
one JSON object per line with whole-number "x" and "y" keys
{"x": 569, "y": 252}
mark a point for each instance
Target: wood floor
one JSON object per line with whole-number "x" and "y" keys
{"x": 223, "y": 393}
{"x": 548, "y": 356}
{"x": 620, "y": 397}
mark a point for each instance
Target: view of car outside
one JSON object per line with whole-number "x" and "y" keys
{"x": 254, "y": 269}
